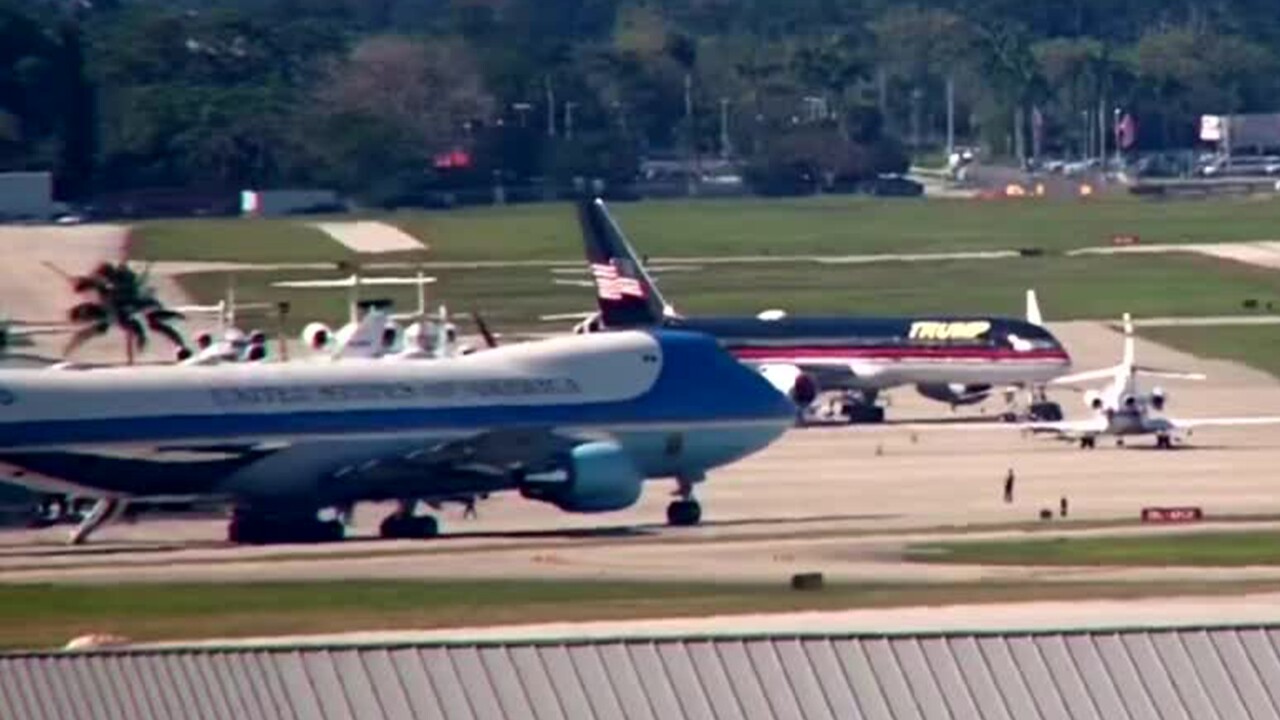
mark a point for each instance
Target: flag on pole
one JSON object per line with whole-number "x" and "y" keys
{"x": 1126, "y": 131}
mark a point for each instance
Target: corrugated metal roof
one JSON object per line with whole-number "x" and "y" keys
{"x": 1185, "y": 673}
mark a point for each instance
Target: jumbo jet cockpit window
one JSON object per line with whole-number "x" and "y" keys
{"x": 1028, "y": 338}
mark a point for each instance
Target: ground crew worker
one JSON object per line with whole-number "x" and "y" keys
{"x": 1008, "y": 486}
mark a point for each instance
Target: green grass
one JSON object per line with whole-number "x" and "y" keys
{"x": 1207, "y": 549}
{"x": 268, "y": 240}
{"x": 1257, "y": 346}
{"x": 749, "y": 226}
{"x": 1076, "y": 287}
{"x": 50, "y": 615}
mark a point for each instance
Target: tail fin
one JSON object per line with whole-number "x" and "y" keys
{"x": 625, "y": 293}
{"x": 364, "y": 338}
{"x": 1033, "y": 309}
{"x": 1129, "y": 352}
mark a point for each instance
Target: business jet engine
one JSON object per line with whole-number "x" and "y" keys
{"x": 204, "y": 340}
{"x": 1158, "y": 399}
{"x": 392, "y": 336}
{"x": 954, "y": 393}
{"x": 1093, "y": 399}
{"x": 593, "y": 477}
{"x": 793, "y": 382}
{"x": 317, "y": 335}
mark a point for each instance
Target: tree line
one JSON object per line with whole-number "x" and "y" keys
{"x": 379, "y": 97}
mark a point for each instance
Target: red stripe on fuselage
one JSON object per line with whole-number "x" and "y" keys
{"x": 898, "y": 353}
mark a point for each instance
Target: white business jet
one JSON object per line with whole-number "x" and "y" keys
{"x": 1123, "y": 408}
{"x": 229, "y": 343}
{"x": 425, "y": 336}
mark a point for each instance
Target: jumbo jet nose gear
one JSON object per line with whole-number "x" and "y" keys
{"x": 104, "y": 511}
{"x": 686, "y": 511}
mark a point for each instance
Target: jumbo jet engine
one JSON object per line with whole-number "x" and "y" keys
{"x": 955, "y": 393}
{"x": 793, "y": 382}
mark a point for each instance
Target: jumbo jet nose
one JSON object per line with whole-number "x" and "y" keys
{"x": 706, "y": 385}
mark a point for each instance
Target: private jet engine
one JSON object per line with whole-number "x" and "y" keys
{"x": 1093, "y": 400}
{"x": 416, "y": 337}
{"x": 1158, "y": 399}
{"x": 204, "y": 340}
{"x": 955, "y": 393}
{"x": 391, "y": 337}
{"x": 792, "y": 382}
{"x": 317, "y": 335}
{"x": 593, "y": 477}
{"x": 256, "y": 351}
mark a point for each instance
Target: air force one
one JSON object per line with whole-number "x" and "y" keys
{"x": 1122, "y": 408}
{"x": 955, "y": 360}
{"x": 579, "y": 422}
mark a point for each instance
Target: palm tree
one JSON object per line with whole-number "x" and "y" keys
{"x": 121, "y": 298}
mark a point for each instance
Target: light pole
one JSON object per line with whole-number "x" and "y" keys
{"x": 551, "y": 106}
{"x": 568, "y": 119}
{"x": 1115, "y": 129}
{"x": 951, "y": 115}
{"x": 724, "y": 128}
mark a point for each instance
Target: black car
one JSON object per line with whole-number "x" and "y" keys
{"x": 893, "y": 186}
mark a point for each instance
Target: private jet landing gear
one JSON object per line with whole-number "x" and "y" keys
{"x": 261, "y": 528}
{"x": 1164, "y": 442}
{"x": 1088, "y": 443}
{"x": 403, "y": 524}
{"x": 685, "y": 512}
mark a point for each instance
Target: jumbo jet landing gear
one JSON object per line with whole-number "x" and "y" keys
{"x": 1039, "y": 409}
{"x": 860, "y": 408}
{"x": 685, "y": 512}
{"x": 248, "y": 527}
{"x": 403, "y": 524}
{"x": 1046, "y": 412}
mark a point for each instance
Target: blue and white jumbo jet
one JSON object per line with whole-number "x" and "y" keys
{"x": 579, "y": 422}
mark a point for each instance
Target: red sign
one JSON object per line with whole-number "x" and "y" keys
{"x": 1172, "y": 515}
{"x": 453, "y": 159}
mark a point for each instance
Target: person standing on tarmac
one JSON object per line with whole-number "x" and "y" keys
{"x": 1008, "y": 486}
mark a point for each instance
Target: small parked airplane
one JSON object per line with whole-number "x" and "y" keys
{"x": 1123, "y": 408}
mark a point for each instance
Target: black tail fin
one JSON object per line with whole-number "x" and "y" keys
{"x": 625, "y": 292}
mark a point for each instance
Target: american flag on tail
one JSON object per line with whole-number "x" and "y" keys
{"x": 611, "y": 285}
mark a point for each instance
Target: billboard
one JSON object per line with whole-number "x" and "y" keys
{"x": 1242, "y": 131}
